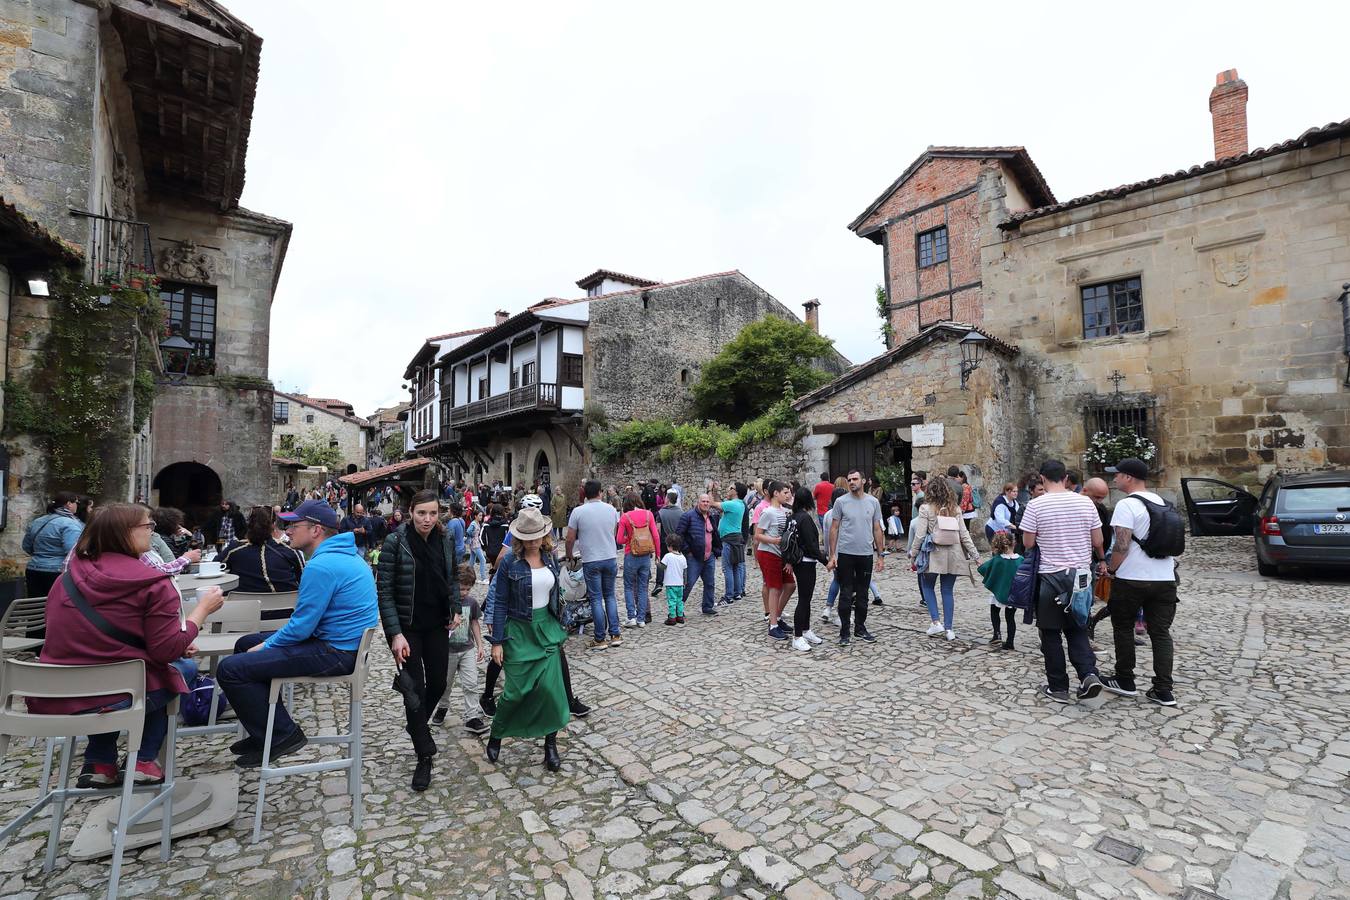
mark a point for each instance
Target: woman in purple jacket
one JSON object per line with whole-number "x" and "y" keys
{"x": 143, "y": 604}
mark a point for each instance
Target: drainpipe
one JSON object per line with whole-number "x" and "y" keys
{"x": 1344, "y": 300}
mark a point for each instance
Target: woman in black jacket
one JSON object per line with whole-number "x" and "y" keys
{"x": 808, "y": 538}
{"x": 419, "y": 607}
{"x": 263, "y": 565}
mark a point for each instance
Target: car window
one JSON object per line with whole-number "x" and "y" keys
{"x": 1315, "y": 498}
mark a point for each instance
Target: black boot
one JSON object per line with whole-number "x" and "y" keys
{"x": 494, "y": 749}
{"x": 552, "y": 761}
{"x": 421, "y": 779}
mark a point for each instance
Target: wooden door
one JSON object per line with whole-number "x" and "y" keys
{"x": 853, "y": 450}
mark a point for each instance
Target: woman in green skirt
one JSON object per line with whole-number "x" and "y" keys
{"x": 524, "y": 612}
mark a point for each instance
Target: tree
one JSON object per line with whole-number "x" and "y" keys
{"x": 319, "y": 449}
{"x": 392, "y": 448}
{"x": 750, "y": 373}
{"x": 884, "y": 311}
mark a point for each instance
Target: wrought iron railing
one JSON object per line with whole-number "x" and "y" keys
{"x": 119, "y": 250}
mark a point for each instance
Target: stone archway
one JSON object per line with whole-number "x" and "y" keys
{"x": 541, "y": 468}
{"x": 191, "y": 487}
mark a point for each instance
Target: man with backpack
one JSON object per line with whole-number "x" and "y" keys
{"x": 494, "y": 534}
{"x": 1148, "y": 535}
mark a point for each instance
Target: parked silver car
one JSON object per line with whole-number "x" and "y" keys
{"x": 1299, "y": 519}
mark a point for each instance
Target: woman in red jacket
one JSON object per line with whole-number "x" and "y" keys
{"x": 143, "y": 607}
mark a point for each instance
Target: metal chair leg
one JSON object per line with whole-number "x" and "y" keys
{"x": 47, "y": 759}
{"x": 59, "y": 805}
{"x": 262, "y": 771}
{"x": 166, "y": 822}
{"x": 354, "y": 751}
{"x": 123, "y": 813}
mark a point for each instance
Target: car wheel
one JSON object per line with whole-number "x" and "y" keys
{"x": 1270, "y": 570}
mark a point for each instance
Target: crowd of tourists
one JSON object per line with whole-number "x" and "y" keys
{"x": 461, "y": 577}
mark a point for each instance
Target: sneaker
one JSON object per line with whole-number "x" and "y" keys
{"x": 615, "y": 640}
{"x": 844, "y": 641}
{"x": 800, "y": 644}
{"x": 766, "y": 617}
{"x": 670, "y": 620}
{"x": 713, "y": 612}
{"x": 488, "y": 705}
{"x": 877, "y": 602}
{"x": 679, "y": 620}
{"x": 951, "y": 635}
{"x": 1007, "y": 645}
{"x": 727, "y": 601}
{"x": 825, "y": 616}
{"x": 935, "y": 629}
{"x": 631, "y": 623}
{"x": 578, "y": 709}
{"x": 1057, "y": 696}
{"x": 996, "y": 639}
{"x": 438, "y": 718}
{"x": 864, "y": 634}
{"x": 811, "y": 637}
{"x": 1116, "y": 686}
{"x": 1091, "y": 687}
{"x": 601, "y": 644}
{"x": 97, "y": 775}
{"x": 1162, "y": 698}
{"x": 639, "y": 624}
{"x": 149, "y": 772}
{"x": 778, "y": 634}
{"x": 476, "y": 726}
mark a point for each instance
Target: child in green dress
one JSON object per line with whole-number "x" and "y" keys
{"x": 998, "y": 574}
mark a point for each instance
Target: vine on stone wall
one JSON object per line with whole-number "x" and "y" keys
{"x": 98, "y": 355}
{"x": 691, "y": 438}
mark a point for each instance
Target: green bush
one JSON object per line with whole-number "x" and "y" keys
{"x": 691, "y": 438}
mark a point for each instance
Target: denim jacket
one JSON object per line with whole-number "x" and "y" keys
{"x": 50, "y": 539}
{"x": 511, "y": 594}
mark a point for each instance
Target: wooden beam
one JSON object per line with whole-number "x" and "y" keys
{"x": 869, "y": 425}
{"x": 141, "y": 9}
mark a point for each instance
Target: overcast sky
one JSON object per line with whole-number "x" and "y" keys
{"x": 444, "y": 160}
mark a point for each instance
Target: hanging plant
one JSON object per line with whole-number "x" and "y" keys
{"x": 1107, "y": 449}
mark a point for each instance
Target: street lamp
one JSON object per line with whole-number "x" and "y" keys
{"x": 175, "y": 348}
{"x": 972, "y": 353}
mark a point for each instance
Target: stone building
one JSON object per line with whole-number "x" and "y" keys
{"x": 422, "y": 436}
{"x": 1196, "y": 309}
{"x": 123, "y": 131}
{"x": 388, "y": 421}
{"x": 299, "y": 418}
{"x": 513, "y": 395}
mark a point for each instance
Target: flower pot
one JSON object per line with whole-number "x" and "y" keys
{"x": 136, "y": 284}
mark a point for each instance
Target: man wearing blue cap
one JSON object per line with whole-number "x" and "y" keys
{"x": 337, "y": 603}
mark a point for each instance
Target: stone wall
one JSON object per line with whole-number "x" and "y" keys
{"x": 784, "y": 459}
{"x": 1242, "y": 345}
{"x": 644, "y": 351}
{"x": 349, "y": 435}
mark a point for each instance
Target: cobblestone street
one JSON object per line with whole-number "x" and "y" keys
{"x": 720, "y": 763}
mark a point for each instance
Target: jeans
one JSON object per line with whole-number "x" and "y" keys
{"x": 696, "y": 569}
{"x": 478, "y": 559}
{"x": 855, "y": 574}
{"x": 733, "y": 568}
{"x": 246, "y": 678}
{"x": 600, "y": 588}
{"x": 637, "y": 574}
{"x": 948, "y": 582}
{"x": 428, "y": 664}
{"x": 1069, "y": 631}
{"x": 103, "y": 747}
{"x": 1158, "y": 601}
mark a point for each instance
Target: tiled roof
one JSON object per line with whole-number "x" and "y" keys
{"x": 1028, "y": 175}
{"x": 942, "y": 330}
{"x": 455, "y": 334}
{"x": 384, "y": 472}
{"x": 1309, "y": 138}
{"x": 325, "y": 405}
{"x": 600, "y": 275}
{"x": 22, "y": 236}
{"x": 287, "y": 463}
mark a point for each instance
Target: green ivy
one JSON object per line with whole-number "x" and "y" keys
{"x": 691, "y": 438}
{"x": 75, "y": 398}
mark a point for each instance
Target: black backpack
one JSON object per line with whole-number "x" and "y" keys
{"x": 1166, "y": 529}
{"x": 790, "y": 547}
{"x": 494, "y": 535}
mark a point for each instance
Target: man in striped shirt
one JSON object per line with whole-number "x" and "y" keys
{"x": 1066, "y": 529}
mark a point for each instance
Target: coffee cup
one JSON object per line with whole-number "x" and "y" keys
{"x": 210, "y": 568}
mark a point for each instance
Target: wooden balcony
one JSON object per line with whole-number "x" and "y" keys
{"x": 538, "y": 397}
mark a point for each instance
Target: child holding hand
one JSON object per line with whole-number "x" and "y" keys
{"x": 675, "y": 563}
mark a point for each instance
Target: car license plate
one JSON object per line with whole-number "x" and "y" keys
{"x": 1331, "y": 529}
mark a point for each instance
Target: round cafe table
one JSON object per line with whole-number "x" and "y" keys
{"x": 225, "y": 581}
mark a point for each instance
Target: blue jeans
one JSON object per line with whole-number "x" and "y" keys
{"x": 926, "y": 584}
{"x": 103, "y": 747}
{"x": 246, "y": 677}
{"x": 478, "y": 559}
{"x": 733, "y": 568}
{"x": 600, "y": 589}
{"x": 833, "y": 592}
{"x": 637, "y": 575}
{"x": 705, "y": 569}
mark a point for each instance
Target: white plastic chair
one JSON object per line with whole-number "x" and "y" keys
{"x": 23, "y": 616}
{"x": 19, "y": 680}
{"x": 271, "y": 603}
{"x": 356, "y": 682}
{"x": 222, "y": 628}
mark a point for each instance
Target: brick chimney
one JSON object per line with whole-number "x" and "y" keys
{"x": 1228, "y": 106}
{"x": 502, "y": 316}
{"x": 813, "y": 314}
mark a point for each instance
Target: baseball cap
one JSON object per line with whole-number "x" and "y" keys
{"x": 316, "y": 511}
{"x": 1135, "y": 468}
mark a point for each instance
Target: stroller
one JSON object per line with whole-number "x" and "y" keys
{"x": 576, "y": 608}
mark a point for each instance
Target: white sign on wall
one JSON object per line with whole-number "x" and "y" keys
{"x": 927, "y": 435}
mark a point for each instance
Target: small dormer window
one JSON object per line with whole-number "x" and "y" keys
{"x": 684, "y": 376}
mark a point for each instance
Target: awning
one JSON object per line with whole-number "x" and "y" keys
{"x": 395, "y": 473}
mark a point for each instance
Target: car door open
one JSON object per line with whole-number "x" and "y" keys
{"x": 1218, "y": 508}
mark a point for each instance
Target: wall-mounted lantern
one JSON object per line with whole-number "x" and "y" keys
{"x": 972, "y": 354}
{"x": 177, "y": 354}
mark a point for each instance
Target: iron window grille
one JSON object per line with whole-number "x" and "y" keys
{"x": 571, "y": 370}
{"x": 932, "y": 247}
{"x": 1116, "y": 307}
{"x": 1113, "y": 414}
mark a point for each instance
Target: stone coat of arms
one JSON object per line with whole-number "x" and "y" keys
{"x": 187, "y": 262}
{"x": 1232, "y": 267}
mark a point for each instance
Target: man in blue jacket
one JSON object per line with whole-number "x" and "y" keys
{"x": 702, "y": 546}
{"x": 337, "y": 603}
